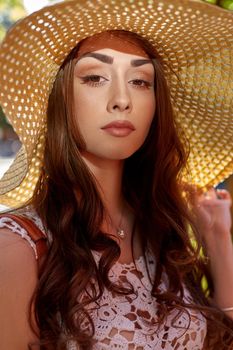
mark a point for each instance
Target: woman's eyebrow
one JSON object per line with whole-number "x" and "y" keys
{"x": 109, "y": 60}
{"x": 99, "y": 56}
{"x": 140, "y": 62}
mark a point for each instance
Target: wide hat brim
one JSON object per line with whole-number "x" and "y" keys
{"x": 195, "y": 42}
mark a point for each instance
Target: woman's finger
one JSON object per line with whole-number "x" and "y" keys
{"x": 223, "y": 194}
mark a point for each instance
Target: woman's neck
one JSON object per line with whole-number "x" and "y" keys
{"x": 108, "y": 175}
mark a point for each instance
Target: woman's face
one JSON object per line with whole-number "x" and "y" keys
{"x": 114, "y": 98}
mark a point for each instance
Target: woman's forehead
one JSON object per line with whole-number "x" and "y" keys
{"x": 108, "y": 40}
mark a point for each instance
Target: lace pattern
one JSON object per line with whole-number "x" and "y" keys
{"x": 16, "y": 228}
{"x": 31, "y": 214}
{"x": 10, "y": 224}
{"x": 129, "y": 322}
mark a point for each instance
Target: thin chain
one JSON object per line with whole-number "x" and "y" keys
{"x": 119, "y": 230}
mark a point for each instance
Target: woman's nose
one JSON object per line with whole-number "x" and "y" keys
{"x": 119, "y": 97}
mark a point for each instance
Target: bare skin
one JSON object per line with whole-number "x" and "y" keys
{"x": 109, "y": 175}
{"x": 121, "y": 78}
{"x": 214, "y": 222}
{"x": 18, "y": 279}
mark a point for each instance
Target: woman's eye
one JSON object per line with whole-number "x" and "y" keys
{"x": 140, "y": 83}
{"x": 93, "y": 80}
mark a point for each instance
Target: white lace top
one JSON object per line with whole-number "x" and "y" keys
{"x": 126, "y": 322}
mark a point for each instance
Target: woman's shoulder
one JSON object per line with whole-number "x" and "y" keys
{"x": 14, "y": 251}
{"x": 18, "y": 280}
{"x": 22, "y": 224}
{"x": 18, "y": 266}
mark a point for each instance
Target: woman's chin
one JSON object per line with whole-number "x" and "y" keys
{"x": 111, "y": 155}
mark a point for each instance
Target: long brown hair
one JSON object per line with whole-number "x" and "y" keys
{"x": 151, "y": 186}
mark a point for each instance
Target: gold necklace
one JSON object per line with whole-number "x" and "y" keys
{"x": 119, "y": 230}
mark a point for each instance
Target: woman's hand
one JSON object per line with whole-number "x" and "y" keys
{"x": 213, "y": 221}
{"x": 213, "y": 217}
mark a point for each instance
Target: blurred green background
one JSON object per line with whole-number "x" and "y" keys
{"x": 10, "y": 12}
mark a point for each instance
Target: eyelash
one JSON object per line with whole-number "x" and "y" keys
{"x": 91, "y": 81}
{"x": 145, "y": 84}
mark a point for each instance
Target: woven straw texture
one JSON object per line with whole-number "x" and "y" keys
{"x": 195, "y": 42}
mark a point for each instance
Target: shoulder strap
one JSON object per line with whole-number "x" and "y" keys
{"x": 33, "y": 231}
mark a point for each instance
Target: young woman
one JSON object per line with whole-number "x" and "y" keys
{"x": 122, "y": 266}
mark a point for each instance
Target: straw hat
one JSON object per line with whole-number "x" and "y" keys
{"x": 194, "y": 40}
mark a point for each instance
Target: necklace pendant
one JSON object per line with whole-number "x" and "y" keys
{"x": 121, "y": 233}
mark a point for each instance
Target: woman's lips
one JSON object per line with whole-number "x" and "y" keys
{"x": 119, "y": 128}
